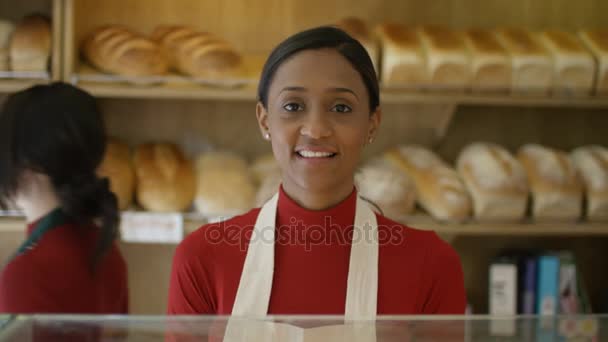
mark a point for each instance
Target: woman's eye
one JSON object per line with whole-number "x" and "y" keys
{"x": 292, "y": 107}
{"x": 341, "y": 108}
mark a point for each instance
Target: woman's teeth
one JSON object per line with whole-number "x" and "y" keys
{"x": 310, "y": 154}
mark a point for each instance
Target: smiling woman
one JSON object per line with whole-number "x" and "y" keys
{"x": 316, "y": 247}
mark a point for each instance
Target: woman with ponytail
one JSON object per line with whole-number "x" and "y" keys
{"x": 52, "y": 140}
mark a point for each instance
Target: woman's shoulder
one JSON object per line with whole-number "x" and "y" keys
{"x": 411, "y": 236}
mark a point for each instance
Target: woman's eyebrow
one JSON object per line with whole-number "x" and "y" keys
{"x": 342, "y": 90}
{"x": 292, "y": 88}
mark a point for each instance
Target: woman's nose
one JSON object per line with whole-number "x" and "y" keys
{"x": 316, "y": 126}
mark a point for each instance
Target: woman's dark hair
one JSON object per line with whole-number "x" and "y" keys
{"x": 57, "y": 130}
{"x": 319, "y": 38}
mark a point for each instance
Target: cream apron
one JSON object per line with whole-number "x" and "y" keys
{"x": 253, "y": 294}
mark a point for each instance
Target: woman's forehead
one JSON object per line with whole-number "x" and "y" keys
{"x": 317, "y": 70}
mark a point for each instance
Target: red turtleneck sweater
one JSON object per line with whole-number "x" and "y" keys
{"x": 55, "y": 277}
{"x": 418, "y": 273}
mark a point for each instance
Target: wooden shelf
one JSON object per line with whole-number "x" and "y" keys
{"x": 248, "y": 93}
{"x": 576, "y": 229}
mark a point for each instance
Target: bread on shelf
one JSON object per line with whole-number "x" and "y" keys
{"x": 403, "y": 61}
{"x": 118, "y": 168}
{"x": 448, "y": 63}
{"x": 30, "y": 46}
{"x": 531, "y": 64}
{"x": 592, "y": 165}
{"x": 490, "y": 63}
{"x": 6, "y": 30}
{"x": 573, "y": 64}
{"x": 496, "y": 181}
{"x": 597, "y": 42}
{"x": 386, "y": 187}
{"x": 225, "y": 186}
{"x": 119, "y": 50}
{"x": 439, "y": 189}
{"x": 165, "y": 178}
{"x": 199, "y": 54}
{"x": 557, "y": 191}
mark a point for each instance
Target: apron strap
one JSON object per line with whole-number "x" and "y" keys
{"x": 253, "y": 294}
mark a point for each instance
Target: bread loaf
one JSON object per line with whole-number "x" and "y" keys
{"x": 403, "y": 62}
{"x": 30, "y": 46}
{"x": 165, "y": 178}
{"x": 6, "y": 30}
{"x": 439, "y": 190}
{"x": 198, "y": 54}
{"x": 530, "y": 63}
{"x": 490, "y": 63}
{"x": 496, "y": 181}
{"x": 557, "y": 192}
{"x": 597, "y": 42}
{"x": 359, "y": 30}
{"x": 387, "y": 187}
{"x": 225, "y": 186}
{"x": 119, "y": 50}
{"x": 573, "y": 64}
{"x": 117, "y": 167}
{"x": 449, "y": 65}
{"x": 592, "y": 165}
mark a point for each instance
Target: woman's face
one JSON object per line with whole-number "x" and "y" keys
{"x": 318, "y": 119}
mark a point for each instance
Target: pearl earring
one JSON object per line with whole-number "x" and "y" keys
{"x": 371, "y": 139}
{"x": 267, "y": 136}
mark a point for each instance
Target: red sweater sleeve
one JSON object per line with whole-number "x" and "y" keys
{"x": 186, "y": 294}
{"x": 447, "y": 294}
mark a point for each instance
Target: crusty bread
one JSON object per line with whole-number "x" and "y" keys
{"x": 225, "y": 186}
{"x": 573, "y": 64}
{"x": 496, "y": 181}
{"x": 387, "y": 187}
{"x": 358, "y": 29}
{"x": 403, "y": 61}
{"x": 531, "y": 64}
{"x": 557, "y": 192}
{"x": 119, "y": 50}
{"x": 117, "y": 166}
{"x": 592, "y": 165}
{"x": 165, "y": 178}
{"x": 31, "y": 42}
{"x": 439, "y": 190}
{"x": 6, "y": 30}
{"x": 448, "y": 63}
{"x": 198, "y": 54}
{"x": 597, "y": 42}
{"x": 490, "y": 63}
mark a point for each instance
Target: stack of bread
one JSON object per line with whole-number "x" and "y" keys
{"x": 490, "y": 62}
{"x": 225, "y": 185}
{"x": 592, "y": 165}
{"x": 439, "y": 190}
{"x": 386, "y": 187}
{"x": 165, "y": 178}
{"x": 118, "y": 168}
{"x": 597, "y": 42}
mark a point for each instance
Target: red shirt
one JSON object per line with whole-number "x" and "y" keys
{"x": 418, "y": 273}
{"x": 55, "y": 276}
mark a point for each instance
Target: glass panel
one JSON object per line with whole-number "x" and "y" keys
{"x": 299, "y": 328}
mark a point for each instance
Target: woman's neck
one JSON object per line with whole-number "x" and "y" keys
{"x": 37, "y": 198}
{"x": 317, "y": 199}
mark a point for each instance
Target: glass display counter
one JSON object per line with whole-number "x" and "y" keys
{"x": 302, "y": 328}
